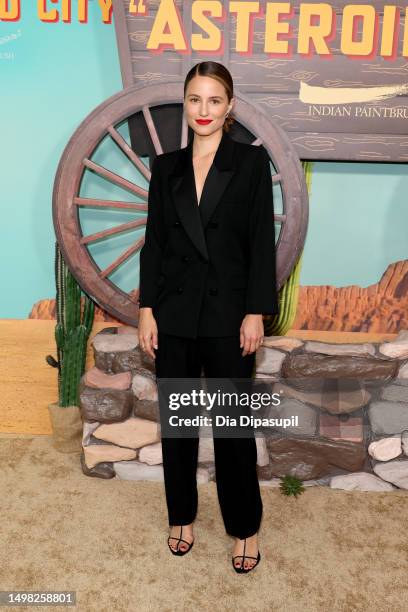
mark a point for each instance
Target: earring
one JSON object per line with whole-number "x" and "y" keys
{"x": 226, "y": 115}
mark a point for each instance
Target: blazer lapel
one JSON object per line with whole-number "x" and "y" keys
{"x": 185, "y": 199}
{"x": 195, "y": 217}
{"x": 218, "y": 177}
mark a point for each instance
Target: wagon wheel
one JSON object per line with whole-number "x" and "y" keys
{"x": 79, "y": 172}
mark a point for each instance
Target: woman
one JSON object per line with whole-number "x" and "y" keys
{"x": 207, "y": 275}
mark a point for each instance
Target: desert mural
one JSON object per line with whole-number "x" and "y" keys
{"x": 379, "y": 308}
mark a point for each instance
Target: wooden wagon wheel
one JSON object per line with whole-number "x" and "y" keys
{"x": 102, "y": 124}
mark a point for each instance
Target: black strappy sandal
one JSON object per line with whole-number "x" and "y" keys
{"x": 180, "y": 552}
{"x": 242, "y": 569}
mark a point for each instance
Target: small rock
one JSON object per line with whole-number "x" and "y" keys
{"x": 284, "y": 343}
{"x": 132, "y": 433}
{"x": 145, "y": 388}
{"x": 385, "y": 449}
{"x": 102, "y": 470}
{"x": 136, "y": 470}
{"x": 345, "y": 396}
{"x": 311, "y": 458}
{"x": 394, "y": 471}
{"x": 275, "y": 482}
{"x": 87, "y": 431}
{"x": 94, "y": 377}
{"x": 288, "y": 408}
{"x": 397, "y": 348}
{"x": 388, "y": 417}
{"x": 99, "y": 453}
{"x": 104, "y": 405}
{"x": 339, "y": 349}
{"x": 395, "y": 393}
{"x": 135, "y": 360}
{"x": 308, "y": 370}
{"x": 151, "y": 454}
{"x": 359, "y": 481}
{"x": 146, "y": 410}
{"x": 268, "y": 361}
{"x": 113, "y": 343}
{"x": 268, "y": 377}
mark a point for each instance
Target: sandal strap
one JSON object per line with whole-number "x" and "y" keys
{"x": 181, "y": 540}
{"x": 244, "y": 557}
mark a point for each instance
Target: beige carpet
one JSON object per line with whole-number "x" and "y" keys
{"x": 106, "y": 540}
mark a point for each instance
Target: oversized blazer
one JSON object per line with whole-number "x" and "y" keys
{"x": 204, "y": 266}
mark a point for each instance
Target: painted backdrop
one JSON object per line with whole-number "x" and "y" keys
{"x": 355, "y": 270}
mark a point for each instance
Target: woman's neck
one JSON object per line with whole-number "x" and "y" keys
{"x": 206, "y": 145}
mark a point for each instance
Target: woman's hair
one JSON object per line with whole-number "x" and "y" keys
{"x": 220, "y": 73}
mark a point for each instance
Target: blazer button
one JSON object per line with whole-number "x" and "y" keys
{"x": 213, "y": 292}
{"x": 179, "y": 289}
{"x": 185, "y": 258}
{"x": 214, "y": 224}
{"x": 176, "y": 224}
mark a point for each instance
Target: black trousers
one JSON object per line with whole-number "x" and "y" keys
{"x": 235, "y": 458}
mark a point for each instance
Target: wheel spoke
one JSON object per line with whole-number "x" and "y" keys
{"x": 128, "y": 151}
{"x": 184, "y": 132}
{"x": 275, "y": 177}
{"x": 152, "y": 130}
{"x": 115, "y": 264}
{"x": 115, "y": 178}
{"x": 113, "y": 230}
{"x": 109, "y": 203}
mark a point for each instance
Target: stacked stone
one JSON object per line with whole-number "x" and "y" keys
{"x": 119, "y": 405}
{"x": 351, "y": 401}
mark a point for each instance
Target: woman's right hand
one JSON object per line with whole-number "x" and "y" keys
{"x": 148, "y": 337}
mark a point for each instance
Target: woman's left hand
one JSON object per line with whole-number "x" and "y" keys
{"x": 251, "y": 333}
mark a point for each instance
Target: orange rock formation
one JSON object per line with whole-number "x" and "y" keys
{"x": 378, "y": 308}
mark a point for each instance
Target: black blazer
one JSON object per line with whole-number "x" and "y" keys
{"x": 204, "y": 267}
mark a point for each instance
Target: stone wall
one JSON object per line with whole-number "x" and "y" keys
{"x": 351, "y": 401}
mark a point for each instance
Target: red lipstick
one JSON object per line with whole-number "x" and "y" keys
{"x": 203, "y": 121}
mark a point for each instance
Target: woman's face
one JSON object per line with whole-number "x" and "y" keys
{"x": 206, "y": 104}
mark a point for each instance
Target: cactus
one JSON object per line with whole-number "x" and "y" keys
{"x": 278, "y": 325}
{"x": 290, "y": 485}
{"x": 71, "y": 332}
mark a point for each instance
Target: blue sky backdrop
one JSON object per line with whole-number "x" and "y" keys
{"x": 53, "y": 75}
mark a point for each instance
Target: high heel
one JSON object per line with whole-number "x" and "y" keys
{"x": 242, "y": 569}
{"x": 180, "y": 552}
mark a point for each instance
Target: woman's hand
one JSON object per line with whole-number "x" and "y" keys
{"x": 251, "y": 333}
{"x": 147, "y": 331}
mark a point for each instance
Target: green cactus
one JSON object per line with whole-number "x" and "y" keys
{"x": 71, "y": 332}
{"x": 290, "y": 485}
{"x": 278, "y": 325}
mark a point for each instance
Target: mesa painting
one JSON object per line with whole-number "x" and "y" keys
{"x": 379, "y": 308}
